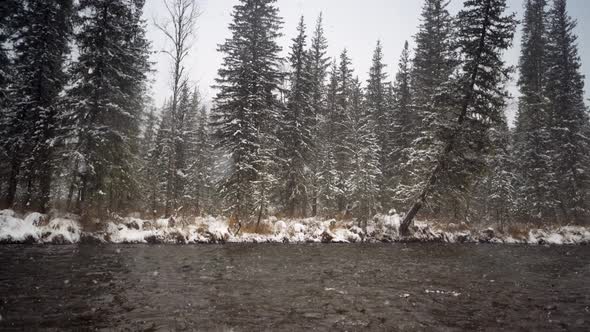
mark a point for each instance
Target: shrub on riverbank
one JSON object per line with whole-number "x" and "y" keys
{"x": 38, "y": 228}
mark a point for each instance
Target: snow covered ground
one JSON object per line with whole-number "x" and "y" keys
{"x": 38, "y": 228}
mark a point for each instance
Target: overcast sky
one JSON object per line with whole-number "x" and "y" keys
{"x": 352, "y": 24}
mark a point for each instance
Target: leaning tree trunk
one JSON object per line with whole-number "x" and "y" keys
{"x": 445, "y": 154}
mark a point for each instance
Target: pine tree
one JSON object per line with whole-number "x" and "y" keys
{"x": 41, "y": 47}
{"x": 380, "y": 109}
{"x": 107, "y": 101}
{"x": 485, "y": 32}
{"x": 534, "y": 183}
{"x": 296, "y": 129}
{"x": 564, "y": 90}
{"x": 246, "y": 109}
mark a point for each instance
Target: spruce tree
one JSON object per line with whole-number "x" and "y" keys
{"x": 434, "y": 58}
{"x": 174, "y": 153}
{"x": 340, "y": 120}
{"x": 246, "y": 109}
{"x": 296, "y": 129}
{"x": 8, "y": 10}
{"x": 485, "y": 32}
{"x": 181, "y": 130}
{"x": 41, "y": 47}
{"x": 8, "y": 177}
{"x": 190, "y": 191}
{"x": 107, "y": 101}
{"x": 199, "y": 168}
{"x": 402, "y": 128}
{"x": 318, "y": 63}
{"x": 202, "y": 170}
{"x": 163, "y": 156}
{"x": 564, "y": 90}
{"x": 327, "y": 189}
{"x": 493, "y": 195}
{"x": 433, "y": 63}
{"x": 148, "y": 171}
{"x": 536, "y": 199}
{"x": 363, "y": 140}
{"x": 380, "y": 109}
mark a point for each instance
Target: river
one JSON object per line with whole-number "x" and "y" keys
{"x": 409, "y": 287}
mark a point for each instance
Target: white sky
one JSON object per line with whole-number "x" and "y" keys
{"x": 352, "y": 24}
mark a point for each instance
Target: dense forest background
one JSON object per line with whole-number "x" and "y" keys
{"x": 297, "y": 136}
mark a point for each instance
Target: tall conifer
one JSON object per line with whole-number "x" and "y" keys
{"x": 535, "y": 198}
{"x": 246, "y": 108}
{"x": 570, "y": 147}
{"x": 380, "y": 109}
{"x": 107, "y": 101}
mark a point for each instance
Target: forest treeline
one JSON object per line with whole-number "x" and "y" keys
{"x": 293, "y": 136}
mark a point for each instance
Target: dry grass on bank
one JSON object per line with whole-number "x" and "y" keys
{"x": 263, "y": 228}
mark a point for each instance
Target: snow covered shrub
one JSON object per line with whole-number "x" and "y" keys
{"x": 16, "y": 230}
{"x": 62, "y": 231}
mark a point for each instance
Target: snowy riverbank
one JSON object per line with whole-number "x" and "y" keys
{"x": 37, "y": 228}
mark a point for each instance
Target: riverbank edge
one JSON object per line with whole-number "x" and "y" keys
{"x": 35, "y": 228}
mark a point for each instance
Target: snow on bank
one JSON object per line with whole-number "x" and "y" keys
{"x": 37, "y": 228}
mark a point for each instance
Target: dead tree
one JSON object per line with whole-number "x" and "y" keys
{"x": 179, "y": 31}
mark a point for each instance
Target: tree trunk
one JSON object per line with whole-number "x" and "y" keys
{"x": 82, "y": 192}
{"x": 450, "y": 146}
{"x": 12, "y": 182}
{"x": 45, "y": 188}
{"x": 314, "y": 202}
{"x": 72, "y": 187}
{"x": 261, "y": 210}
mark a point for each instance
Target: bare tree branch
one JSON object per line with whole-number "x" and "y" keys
{"x": 179, "y": 31}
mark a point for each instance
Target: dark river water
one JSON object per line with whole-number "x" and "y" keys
{"x": 411, "y": 287}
